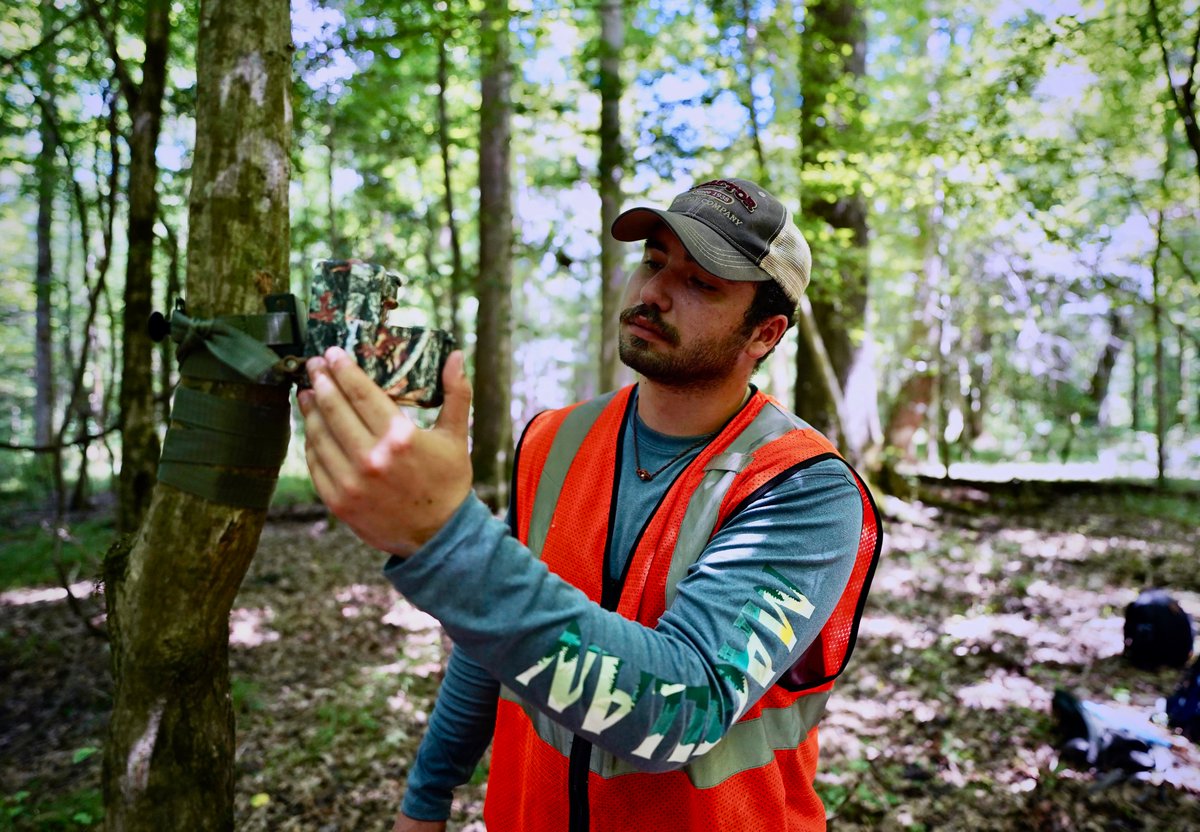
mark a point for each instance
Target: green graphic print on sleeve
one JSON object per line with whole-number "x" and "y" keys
{"x": 608, "y": 705}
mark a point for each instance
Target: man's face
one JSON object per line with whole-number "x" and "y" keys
{"x": 682, "y": 326}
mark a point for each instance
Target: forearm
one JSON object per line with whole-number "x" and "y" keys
{"x": 459, "y": 731}
{"x": 654, "y": 697}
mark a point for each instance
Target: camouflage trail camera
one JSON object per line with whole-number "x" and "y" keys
{"x": 356, "y": 306}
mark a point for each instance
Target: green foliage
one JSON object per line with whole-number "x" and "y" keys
{"x": 294, "y": 489}
{"x": 247, "y": 695}
{"x": 29, "y": 552}
{"x": 25, "y": 811}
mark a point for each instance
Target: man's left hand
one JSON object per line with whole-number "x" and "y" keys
{"x": 392, "y": 482}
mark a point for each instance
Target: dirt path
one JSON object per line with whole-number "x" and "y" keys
{"x": 942, "y": 722}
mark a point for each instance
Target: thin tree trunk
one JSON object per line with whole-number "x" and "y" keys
{"x": 1098, "y": 389}
{"x": 169, "y": 753}
{"x": 748, "y": 66}
{"x": 1182, "y": 95}
{"x": 139, "y": 437}
{"x": 1160, "y": 380}
{"x": 493, "y": 349}
{"x": 911, "y": 409}
{"x": 1135, "y": 387}
{"x": 335, "y": 242}
{"x": 456, "y": 260}
{"x": 612, "y": 164}
{"x": 43, "y": 408}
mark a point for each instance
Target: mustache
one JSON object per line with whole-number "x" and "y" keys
{"x": 652, "y": 316}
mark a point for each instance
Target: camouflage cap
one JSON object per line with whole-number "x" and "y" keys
{"x": 734, "y": 229}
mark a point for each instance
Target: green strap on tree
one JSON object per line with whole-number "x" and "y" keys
{"x": 224, "y": 450}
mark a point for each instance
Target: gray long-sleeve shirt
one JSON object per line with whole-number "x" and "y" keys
{"x": 645, "y": 691}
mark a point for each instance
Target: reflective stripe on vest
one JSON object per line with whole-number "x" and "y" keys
{"x": 782, "y": 718}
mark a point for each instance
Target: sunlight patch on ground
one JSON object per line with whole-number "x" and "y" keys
{"x": 407, "y": 617}
{"x": 44, "y": 595}
{"x": 1085, "y": 636}
{"x": 909, "y": 634}
{"x": 1003, "y": 689}
{"x": 248, "y": 627}
{"x": 355, "y": 597}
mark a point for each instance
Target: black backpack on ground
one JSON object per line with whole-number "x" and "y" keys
{"x": 1157, "y": 631}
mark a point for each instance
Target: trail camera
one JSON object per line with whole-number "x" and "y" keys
{"x": 360, "y": 307}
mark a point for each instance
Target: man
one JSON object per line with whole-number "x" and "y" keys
{"x": 652, "y": 637}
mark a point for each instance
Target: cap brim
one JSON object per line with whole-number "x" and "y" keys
{"x": 712, "y": 251}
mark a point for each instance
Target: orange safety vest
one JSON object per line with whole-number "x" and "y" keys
{"x": 760, "y": 774}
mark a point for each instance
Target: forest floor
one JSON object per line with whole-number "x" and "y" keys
{"x": 943, "y": 720}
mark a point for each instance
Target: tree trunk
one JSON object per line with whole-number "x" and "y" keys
{"x": 749, "y": 64}
{"x": 911, "y": 409}
{"x": 1183, "y": 95}
{"x": 1135, "y": 388}
{"x": 335, "y": 243}
{"x": 1098, "y": 389}
{"x": 166, "y": 379}
{"x": 834, "y": 71}
{"x": 456, "y": 262}
{"x": 493, "y": 346}
{"x": 612, "y": 165}
{"x": 43, "y": 407}
{"x": 1160, "y": 374}
{"x": 169, "y": 754}
{"x": 139, "y": 436}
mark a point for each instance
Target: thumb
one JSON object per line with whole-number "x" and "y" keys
{"x": 456, "y": 409}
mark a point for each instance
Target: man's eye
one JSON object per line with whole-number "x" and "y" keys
{"x": 651, "y": 263}
{"x": 703, "y": 285}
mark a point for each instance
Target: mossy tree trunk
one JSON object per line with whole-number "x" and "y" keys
{"x": 169, "y": 754}
{"x": 139, "y": 436}
{"x": 492, "y": 431}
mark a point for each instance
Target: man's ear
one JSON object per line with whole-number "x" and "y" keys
{"x": 766, "y": 335}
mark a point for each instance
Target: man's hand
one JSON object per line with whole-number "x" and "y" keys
{"x": 406, "y": 824}
{"x": 393, "y": 483}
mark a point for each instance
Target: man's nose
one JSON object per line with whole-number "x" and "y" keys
{"x": 655, "y": 291}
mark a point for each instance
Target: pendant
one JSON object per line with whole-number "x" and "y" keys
{"x": 644, "y": 475}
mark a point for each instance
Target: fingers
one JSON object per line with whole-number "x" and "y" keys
{"x": 326, "y": 461}
{"x": 456, "y": 409}
{"x": 368, "y": 402}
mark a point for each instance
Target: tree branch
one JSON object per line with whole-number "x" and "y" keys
{"x": 61, "y": 445}
{"x": 129, "y": 89}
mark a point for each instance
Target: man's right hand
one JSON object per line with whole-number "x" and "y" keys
{"x": 406, "y": 824}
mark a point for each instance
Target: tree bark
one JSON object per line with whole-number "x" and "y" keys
{"x": 169, "y": 754}
{"x": 1160, "y": 369}
{"x": 1098, "y": 389}
{"x": 910, "y": 411}
{"x": 492, "y": 435}
{"x": 139, "y": 436}
{"x": 456, "y": 260}
{"x": 43, "y": 407}
{"x": 612, "y": 167}
{"x": 833, "y": 63}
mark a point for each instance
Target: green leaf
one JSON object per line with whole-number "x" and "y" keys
{"x": 82, "y": 754}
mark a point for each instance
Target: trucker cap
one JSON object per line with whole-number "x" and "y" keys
{"x": 734, "y": 229}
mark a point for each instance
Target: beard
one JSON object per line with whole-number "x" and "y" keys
{"x": 697, "y": 365}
